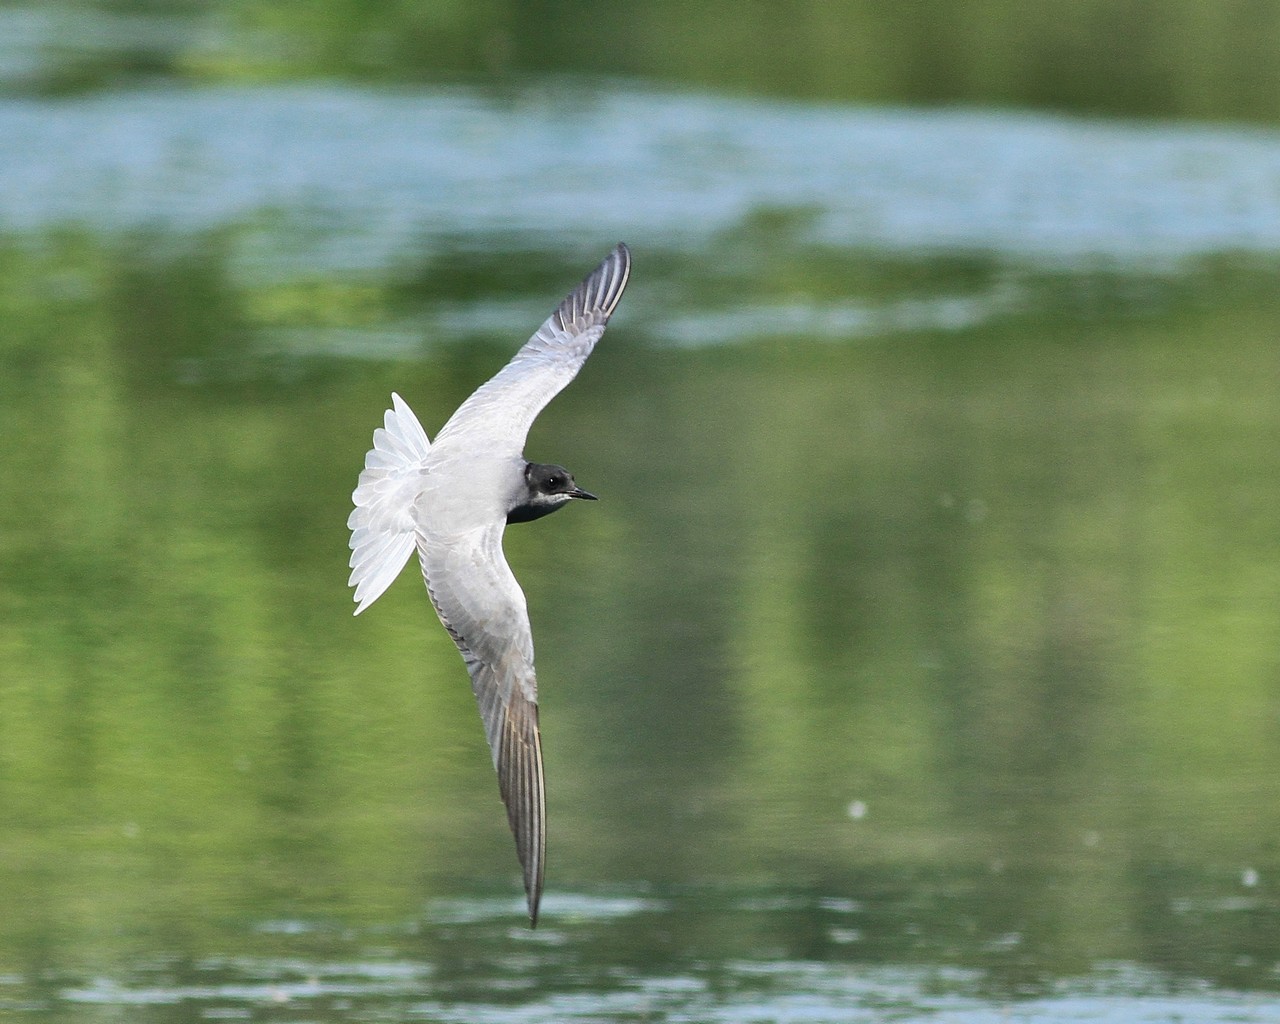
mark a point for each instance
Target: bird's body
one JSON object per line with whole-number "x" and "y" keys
{"x": 450, "y": 500}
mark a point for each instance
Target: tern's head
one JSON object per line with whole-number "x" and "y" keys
{"x": 546, "y": 488}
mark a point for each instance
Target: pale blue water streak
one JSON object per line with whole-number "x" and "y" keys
{"x": 812, "y": 993}
{"x": 354, "y": 177}
{"x": 782, "y": 990}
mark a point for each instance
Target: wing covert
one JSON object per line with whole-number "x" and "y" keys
{"x": 500, "y": 412}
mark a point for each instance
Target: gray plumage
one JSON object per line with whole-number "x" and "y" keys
{"x": 450, "y": 500}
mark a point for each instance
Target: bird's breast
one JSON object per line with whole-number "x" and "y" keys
{"x": 463, "y": 492}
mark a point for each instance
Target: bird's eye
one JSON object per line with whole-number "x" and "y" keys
{"x": 555, "y": 482}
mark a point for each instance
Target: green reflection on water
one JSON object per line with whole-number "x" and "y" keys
{"x": 1166, "y": 58}
{"x": 976, "y": 628}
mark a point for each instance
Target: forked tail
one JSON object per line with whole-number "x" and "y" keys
{"x": 382, "y": 528}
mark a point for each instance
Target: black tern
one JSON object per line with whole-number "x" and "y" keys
{"x": 450, "y": 501}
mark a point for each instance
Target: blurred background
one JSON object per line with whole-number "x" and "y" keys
{"x": 921, "y": 660}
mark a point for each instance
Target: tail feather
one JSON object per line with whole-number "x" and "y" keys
{"x": 382, "y": 527}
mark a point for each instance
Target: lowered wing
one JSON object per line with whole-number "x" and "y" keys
{"x": 483, "y": 608}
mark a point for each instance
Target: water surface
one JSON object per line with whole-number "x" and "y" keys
{"x": 918, "y": 662}
{"x": 360, "y": 177}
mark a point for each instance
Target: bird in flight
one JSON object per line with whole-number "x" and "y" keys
{"x": 450, "y": 500}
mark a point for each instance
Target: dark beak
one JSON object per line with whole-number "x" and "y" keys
{"x": 578, "y": 492}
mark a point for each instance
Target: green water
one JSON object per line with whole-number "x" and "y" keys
{"x": 918, "y": 663}
{"x": 1149, "y": 58}
{"x": 948, "y": 649}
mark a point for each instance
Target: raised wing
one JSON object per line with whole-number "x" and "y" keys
{"x": 382, "y": 523}
{"x": 483, "y": 608}
{"x": 498, "y": 415}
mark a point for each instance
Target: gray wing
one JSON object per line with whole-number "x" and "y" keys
{"x": 483, "y": 608}
{"x": 498, "y": 415}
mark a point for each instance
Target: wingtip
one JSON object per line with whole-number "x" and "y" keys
{"x": 512, "y": 727}
{"x": 612, "y": 290}
{"x": 592, "y": 303}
